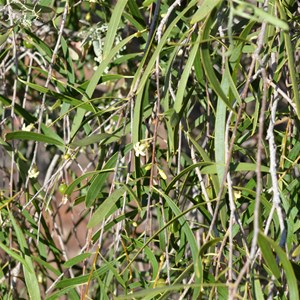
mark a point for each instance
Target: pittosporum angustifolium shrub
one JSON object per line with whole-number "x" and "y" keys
{"x": 149, "y": 149}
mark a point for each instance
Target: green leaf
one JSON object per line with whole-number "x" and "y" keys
{"x": 72, "y": 186}
{"x": 258, "y": 290}
{"x": 209, "y": 244}
{"x": 32, "y": 136}
{"x": 46, "y": 2}
{"x": 286, "y": 266}
{"x": 204, "y": 10}
{"x": 19, "y": 110}
{"x": 16, "y": 256}
{"x": 250, "y": 11}
{"x": 47, "y": 265}
{"x": 77, "y": 259}
{"x": 159, "y": 47}
{"x": 207, "y": 63}
{"x": 113, "y": 27}
{"x": 103, "y": 210}
{"x": 99, "y": 180}
{"x": 240, "y": 167}
{"x": 190, "y": 238}
{"x": 291, "y": 62}
{"x": 29, "y": 273}
{"x": 185, "y": 76}
{"x": 185, "y": 171}
{"x": 84, "y": 105}
{"x": 4, "y": 37}
{"x": 93, "y": 139}
{"x": 220, "y": 134}
{"x": 268, "y": 256}
{"x": 110, "y": 55}
{"x": 59, "y": 293}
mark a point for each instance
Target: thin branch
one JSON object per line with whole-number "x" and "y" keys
{"x": 273, "y": 171}
{"x": 42, "y": 107}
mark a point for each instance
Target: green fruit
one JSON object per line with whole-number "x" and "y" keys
{"x": 161, "y": 283}
{"x": 27, "y": 44}
{"x": 62, "y": 188}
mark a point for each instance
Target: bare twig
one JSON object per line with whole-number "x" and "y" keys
{"x": 258, "y": 184}
{"x": 273, "y": 171}
{"x": 42, "y": 107}
{"x": 202, "y": 185}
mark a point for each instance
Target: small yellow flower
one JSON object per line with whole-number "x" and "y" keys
{"x": 28, "y": 127}
{"x": 69, "y": 155}
{"x": 33, "y": 172}
{"x": 48, "y": 122}
{"x": 147, "y": 167}
{"x": 162, "y": 174}
{"x": 140, "y": 149}
{"x": 237, "y": 194}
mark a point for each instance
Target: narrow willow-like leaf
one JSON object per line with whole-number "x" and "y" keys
{"x": 185, "y": 171}
{"x": 137, "y": 118}
{"x": 259, "y": 14}
{"x": 77, "y": 259}
{"x": 113, "y": 27}
{"x": 232, "y": 84}
{"x": 93, "y": 139}
{"x": 207, "y": 63}
{"x": 291, "y": 61}
{"x": 32, "y": 136}
{"x": 258, "y": 290}
{"x": 185, "y": 76}
{"x": 204, "y": 10}
{"x": 60, "y": 293}
{"x": 286, "y": 266}
{"x": 47, "y": 265}
{"x": 206, "y": 158}
{"x": 151, "y": 293}
{"x": 240, "y": 167}
{"x": 190, "y": 238}
{"x": 82, "y": 279}
{"x": 15, "y": 256}
{"x": 72, "y": 186}
{"x": 103, "y": 210}
{"x": 268, "y": 256}
{"x": 85, "y": 106}
{"x": 29, "y": 274}
{"x": 160, "y": 45}
{"x": 4, "y": 37}
{"x": 99, "y": 180}
{"x": 67, "y": 55}
{"x": 18, "y": 110}
{"x": 134, "y": 8}
{"x": 152, "y": 259}
{"x": 220, "y": 133}
{"x": 96, "y": 76}
{"x": 209, "y": 244}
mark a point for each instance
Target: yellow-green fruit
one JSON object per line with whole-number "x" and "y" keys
{"x": 62, "y": 188}
{"x": 27, "y": 44}
{"x": 160, "y": 283}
